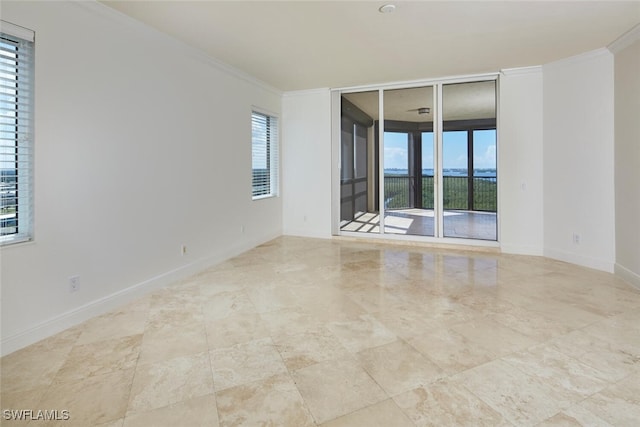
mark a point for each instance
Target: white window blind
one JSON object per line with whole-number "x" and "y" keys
{"x": 264, "y": 155}
{"x": 16, "y": 133}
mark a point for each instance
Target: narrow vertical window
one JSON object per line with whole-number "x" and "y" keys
{"x": 16, "y": 133}
{"x": 264, "y": 155}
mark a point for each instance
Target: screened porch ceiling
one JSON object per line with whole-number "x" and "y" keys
{"x": 466, "y": 101}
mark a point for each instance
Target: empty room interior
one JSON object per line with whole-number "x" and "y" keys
{"x": 309, "y": 213}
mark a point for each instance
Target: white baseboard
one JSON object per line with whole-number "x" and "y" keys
{"x": 521, "y": 250}
{"x": 117, "y": 299}
{"x": 628, "y": 275}
{"x": 307, "y": 233}
{"x": 597, "y": 264}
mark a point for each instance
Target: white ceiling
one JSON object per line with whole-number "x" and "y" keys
{"x": 295, "y": 45}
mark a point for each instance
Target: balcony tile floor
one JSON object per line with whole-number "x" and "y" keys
{"x": 419, "y": 222}
{"x": 306, "y": 332}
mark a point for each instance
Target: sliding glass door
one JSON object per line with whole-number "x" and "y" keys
{"x": 420, "y": 161}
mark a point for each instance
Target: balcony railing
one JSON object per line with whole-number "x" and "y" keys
{"x": 397, "y": 190}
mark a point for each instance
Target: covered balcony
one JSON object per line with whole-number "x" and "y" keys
{"x": 391, "y": 161}
{"x": 470, "y": 206}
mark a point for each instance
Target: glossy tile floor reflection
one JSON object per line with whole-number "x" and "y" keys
{"x": 304, "y": 332}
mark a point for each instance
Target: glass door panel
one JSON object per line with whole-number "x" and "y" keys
{"x": 485, "y": 191}
{"x": 428, "y": 171}
{"x": 360, "y": 172}
{"x": 358, "y": 164}
{"x": 346, "y": 170}
{"x": 397, "y": 182}
{"x": 454, "y": 172}
{"x": 469, "y": 170}
{"x": 408, "y": 156}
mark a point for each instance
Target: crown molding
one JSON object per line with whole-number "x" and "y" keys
{"x": 123, "y": 19}
{"x": 521, "y": 70}
{"x": 305, "y": 92}
{"x": 603, "y": 51}
{"x": 625, "y": 40}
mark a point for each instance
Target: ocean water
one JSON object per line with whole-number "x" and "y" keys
{"x": 445, "y": 172}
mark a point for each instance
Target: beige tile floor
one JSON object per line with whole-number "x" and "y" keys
{"x": 305, "y": 332}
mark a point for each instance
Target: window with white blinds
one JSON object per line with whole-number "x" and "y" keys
{"x": 264, "y": 155}
{"x": 16, "y": 133}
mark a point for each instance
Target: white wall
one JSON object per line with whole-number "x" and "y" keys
{"x": 578, "y": 160}
{"x": 627, "y": 157}
{"x": 306, "y": 159}
{"x": 142, "y": 144}
{"x": 520, "y": 161}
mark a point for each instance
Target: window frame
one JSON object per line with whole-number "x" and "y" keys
{"x": 271, "y": 139}
{"x": 16, "y": 131}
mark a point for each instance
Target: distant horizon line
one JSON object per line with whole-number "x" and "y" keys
{"x": 464, "y": 169}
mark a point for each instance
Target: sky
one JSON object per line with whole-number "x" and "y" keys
{"x": 454, "y": 150}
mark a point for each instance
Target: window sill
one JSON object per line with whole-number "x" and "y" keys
{"x": 13, "y": 241}
{"x": 266, "y": 196}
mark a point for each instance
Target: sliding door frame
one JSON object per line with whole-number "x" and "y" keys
{"x": 438, "y": 204}
{"x": 381, "y": 200}
{"x": 437, "y": 85}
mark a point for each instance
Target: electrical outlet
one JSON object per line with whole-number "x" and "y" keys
{"x": 74, "y": 284}
{"x": 576, "y": 239}
{"x": 242, "y": 229}
{"x": 183, "y": 250}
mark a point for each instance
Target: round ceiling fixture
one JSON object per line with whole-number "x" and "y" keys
{"x": 387, "y": 8}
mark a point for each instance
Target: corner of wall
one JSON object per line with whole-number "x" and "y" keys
{"x": 627, "y": 275}
{"x": 520, "y": 161}
{"x": 627, "y": 154}
{"x": 306, "y": 163}
{"x": 625, "y": 40}
{"x": 124, "y": 237}
{"x": 578, "y": 160}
